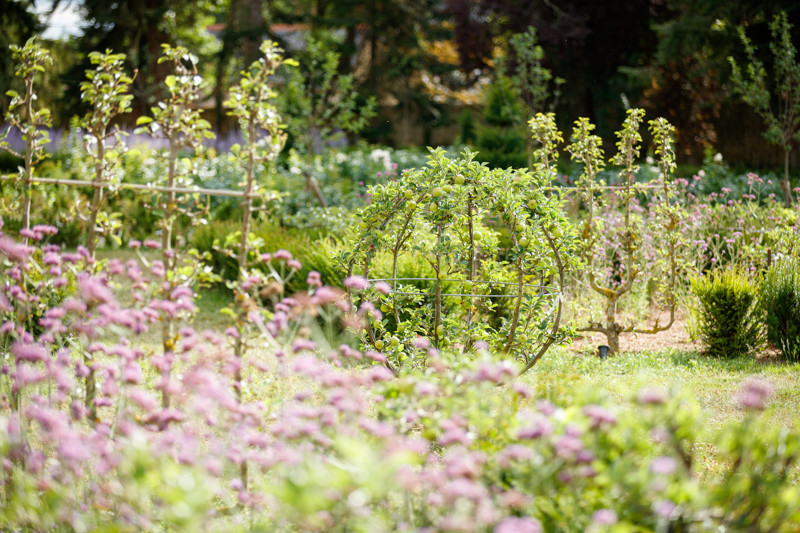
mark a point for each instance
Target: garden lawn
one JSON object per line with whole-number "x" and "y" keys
{"x": 713, "y": 382}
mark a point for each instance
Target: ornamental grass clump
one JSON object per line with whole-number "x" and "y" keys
{"x": 780, "y": 301}
{"x": 727, "y": 318}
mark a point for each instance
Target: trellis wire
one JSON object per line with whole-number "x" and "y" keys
{"x": 544, "y": 290}
{"x": 139, "y": 186}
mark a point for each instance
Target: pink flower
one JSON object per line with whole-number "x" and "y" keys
{"x": 604, "y": 517}
{"x": 754, "y": 394}
{"x": 652, "y": 396}
{"x": 664, "y": 508}
{"x": 383, "y": 287}
{"x": 600, "y": 416}
{"x": 314, "y": 279}
{"x": 303, "y": 344}
{"x": 663, "y": 466}
{"x": 515, "y": 524}
{"x": 94, "y": 291}
{"x": 34, "y": 353}
{"x": 295, "y": 264}
{"x": 356, "y": 282}
{"x": 376, "y": 356}
{"x": 150, "y": 243}
{"x": 282, "y": 255}
{"x": 46, "y": 229}
{"x": 30, "y": 234}
{"x": 15, "y": 251}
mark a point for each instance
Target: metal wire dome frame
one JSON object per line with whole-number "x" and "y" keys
{"x": 394, "y": 205}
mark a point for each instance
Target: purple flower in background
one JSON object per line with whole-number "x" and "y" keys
{"x": 314, "y": 279}
{"x": 303, "y": 344}
{"x": 652, "y": 396}
{"x": 664, "y": 508}
{"x": 33, "y": 353}
{"x": 356, "y": 282}
{"x": 94, "y": 291}
{"x": 516, "y": 524}
{"x": 604, "y": 517}
{"x": 600, "y": 416}
{"x": 663, "y": 466}
{"x": 282, "y": 255}
{"x": 754, "y": 394}
{"x": 383, "y": 287}
{"x": 16, "y": 251}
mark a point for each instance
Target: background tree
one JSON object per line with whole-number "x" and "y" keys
{"x": 321, "y": 104}
{"x": 500, "y": 141}
{"x": 243, "y": 32}
{"x": 532, "y": 79}
{"x": 779, "y": 104}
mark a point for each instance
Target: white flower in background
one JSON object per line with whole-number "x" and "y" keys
{"x": 718, "y": 158}
{"x": 649, "y": 160}
{"x": 341, "y": 157}
{"x": 379, "y": 155}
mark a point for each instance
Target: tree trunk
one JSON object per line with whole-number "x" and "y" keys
{"x": 98, "y": 194}
{"x": 785, "y": 184}
{"x": 612, "y": 328}
{"x": 612, "y": 336}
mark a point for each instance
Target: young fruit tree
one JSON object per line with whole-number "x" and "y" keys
{"x": 177, "y": 119}
{"x": 23, "y": 115}
{"x": 106, "y": 90}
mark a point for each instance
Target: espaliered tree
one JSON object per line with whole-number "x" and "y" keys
{"x": 586, "y": 149}
{"x": 778, "y": 105}
{"x": 179, "y": 121}
{"x": 31, "y": 122}
{"x": 107, "y": 91}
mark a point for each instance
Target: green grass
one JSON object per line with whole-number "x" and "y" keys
{"x": 714, "y": 383}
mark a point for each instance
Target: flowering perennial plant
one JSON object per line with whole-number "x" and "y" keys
{"x": 332, "y": 439}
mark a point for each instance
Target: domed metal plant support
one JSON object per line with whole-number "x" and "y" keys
{"x": 493, "y": 248}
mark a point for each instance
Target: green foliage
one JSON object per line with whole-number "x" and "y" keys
{"x": 220, "y": 237}
{"x": 319, "y": 102}
{"x": 500, "y": 142}
{"x": 466, "y": 127}
{"x": 727, "y": 318}
{"x": 780, "y": 301}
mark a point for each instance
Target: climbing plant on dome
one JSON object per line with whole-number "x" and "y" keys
{"x": 495, "y": 244}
